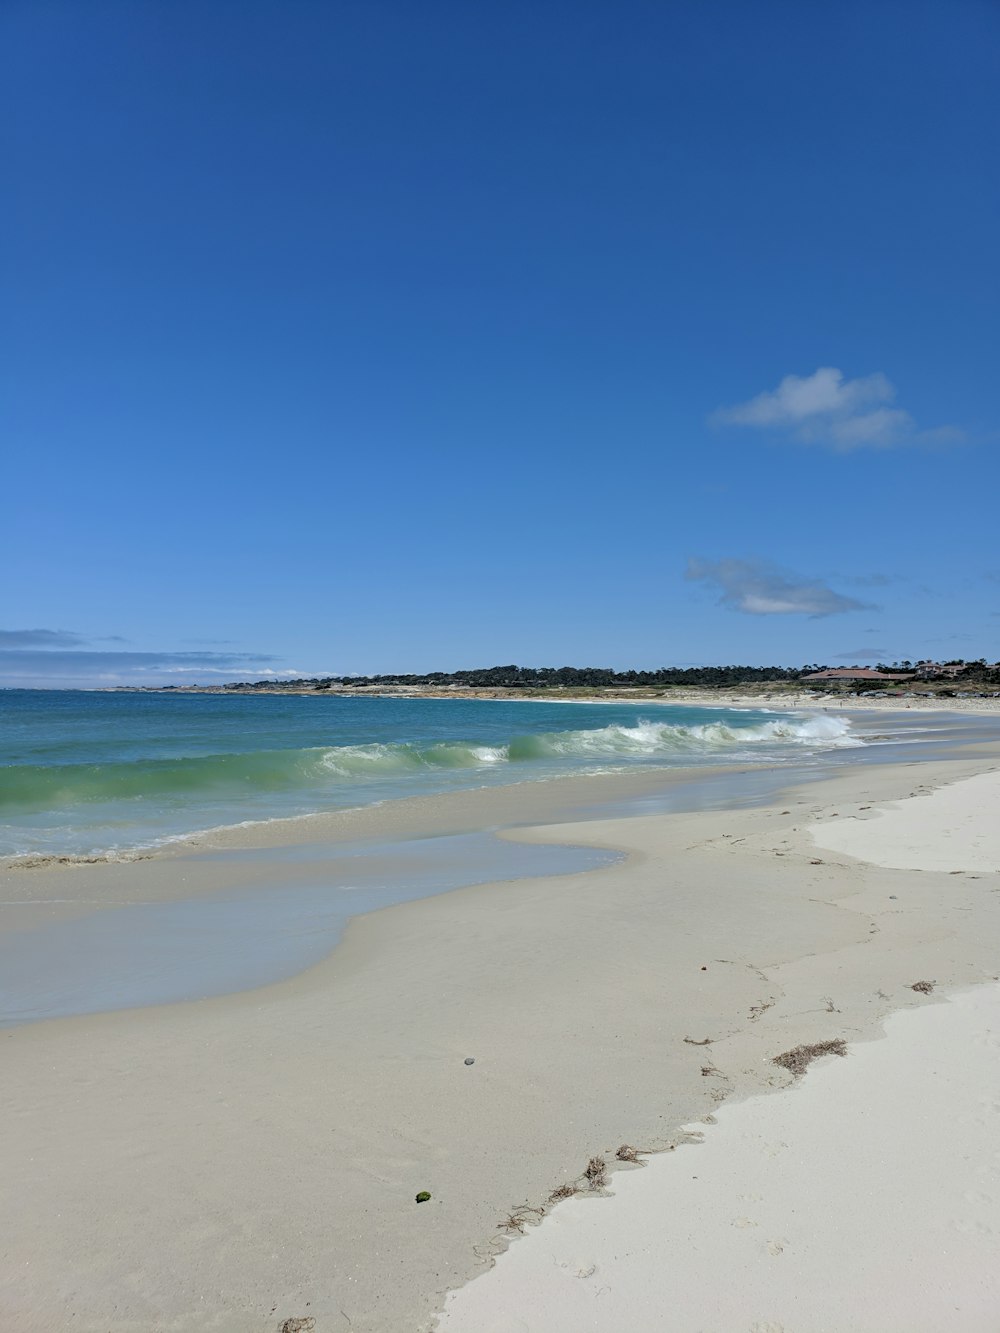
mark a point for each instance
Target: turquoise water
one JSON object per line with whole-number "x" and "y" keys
{"x": 91, "y": 773}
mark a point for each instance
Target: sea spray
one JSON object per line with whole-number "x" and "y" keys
{"x": 89, "y": 772}
{"x": 39, "y": 787}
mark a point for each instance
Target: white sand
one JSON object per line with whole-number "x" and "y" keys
{"x": 956, "y": 827}
{"x": 867, "y": 1200}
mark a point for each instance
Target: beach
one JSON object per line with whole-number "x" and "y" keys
{"x": 245, "y": 1159}
{"x": 865, "y": 1199}
{"x": 500, "y": 669}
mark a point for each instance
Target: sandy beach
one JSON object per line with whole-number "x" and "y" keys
{"x": 863, "y": 1200}
{"x": 246, "y": 1159}
{"x": 500, "y": 668}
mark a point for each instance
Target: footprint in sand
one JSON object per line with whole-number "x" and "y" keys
{"x": 765, "y": 1326}
{"x": 977, "y": 1197}
{"x": 743, "y": 1222}
{"x": 968, "y": 1227}
{"x": 983, "y": 1114}
{"x": 775, "y": 1247}
{"x": 579, "y": 1269}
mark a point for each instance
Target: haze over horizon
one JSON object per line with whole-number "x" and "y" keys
{"x": 370, "y": 339}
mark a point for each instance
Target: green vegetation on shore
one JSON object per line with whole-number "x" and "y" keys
{"x": 929, "y": 677}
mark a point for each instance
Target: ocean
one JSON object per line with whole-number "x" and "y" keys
{"x": 90, "y": 773}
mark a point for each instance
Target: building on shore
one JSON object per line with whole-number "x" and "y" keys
{"x": 859, "y": 673}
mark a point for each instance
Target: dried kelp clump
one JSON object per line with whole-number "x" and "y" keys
{"x": 797, "y": 1061}
{"x": 597, "y": 1173}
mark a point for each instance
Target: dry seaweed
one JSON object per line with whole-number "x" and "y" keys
{"x": 796, "y": 1061}
{"x": 518, "y": 1218}
{"x": 596, "y": 1173}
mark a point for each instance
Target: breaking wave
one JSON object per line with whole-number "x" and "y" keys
{"x": 41, "y": 787}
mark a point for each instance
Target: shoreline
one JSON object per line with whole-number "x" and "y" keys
{"x": 270, "y": 830}
{"x": 489, "y": 762}
{"x": 762, "y": 696}
{"x": 768, "y": 1189}
{"x": 770, "y": 1192}
{"x": 581, "y": 999}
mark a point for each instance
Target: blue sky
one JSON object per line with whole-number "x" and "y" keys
{"x": 383, "y": 336}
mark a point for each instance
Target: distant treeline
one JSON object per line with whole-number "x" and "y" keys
{"x": 519, "y": 677}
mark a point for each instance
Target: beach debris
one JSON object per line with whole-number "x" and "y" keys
{"x": 707, "y": 1041}
{"x": 704, "y": 969}
{"x": 892, "y": 895}
{"x": 596, "y": 1173}
{"x": 470, "y": 1060}
{"x": 799, "y": 1058}
{"x": 423, "y": 1196}
{"x": 298, "y": 1325}
{"x": 626, "y": 1153}
{"x": 562, "y": 1192}
{"x": 924, "y": 987}
{"x": 518, "y": 1218}
{"x": 816, "y": 862}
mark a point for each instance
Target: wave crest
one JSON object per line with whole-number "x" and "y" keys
{"x": 28, "y": 787}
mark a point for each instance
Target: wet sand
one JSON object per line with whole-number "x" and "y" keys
{"x": 232, "y": 1162}
{"x": 863, "y": 1200}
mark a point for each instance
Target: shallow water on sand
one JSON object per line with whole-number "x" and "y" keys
{"x": 187, "y": 949}
{"x": 297, "y": 898}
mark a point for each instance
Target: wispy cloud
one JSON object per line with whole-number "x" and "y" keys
{"x": 859, "y": 655}
{"x": 826, "y": 409}
{"x": 39, "y": 638}
{"x": 29, "y": 667}
{"x": 760, "y": 589}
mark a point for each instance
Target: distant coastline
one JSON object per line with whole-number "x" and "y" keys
{"x": 926, "y": 684}
{"x": 788, "y": 697}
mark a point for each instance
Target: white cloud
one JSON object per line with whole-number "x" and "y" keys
{"x": 825, "y": 408}
{"x": 759, "y": 589}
